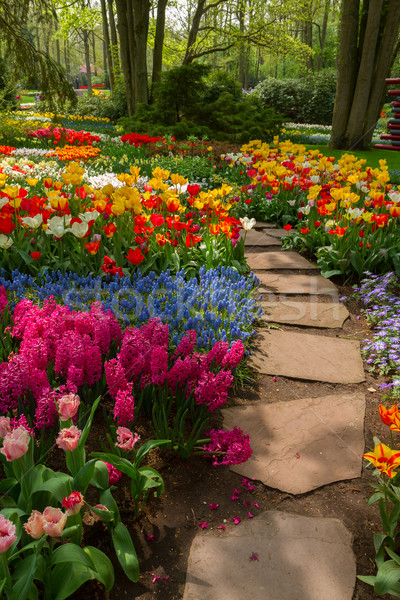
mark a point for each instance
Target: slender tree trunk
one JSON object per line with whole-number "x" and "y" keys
{"x": 37, "y": 38}
{"x": 308, "y": 35}
{"x": 158, "y": 44}
{"x": 122, "y": 11}
{"x": 86, "y": 33}
{"x": 141, "y": 14}
{"x": 114, "y": 41}
{"x": 194, "y": 29}
{"x": 323, "y": 34}
{"x": 66, "y": 57}
{"x": 241, "y": 76}
{"x": 108, "y": 63}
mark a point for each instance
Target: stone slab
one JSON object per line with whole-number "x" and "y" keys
{"x": 303, "y": 444}
{"x": 293, "y": 283}
{"x": 275, "y": 556}
{"x": 278, "y": 260}
{"x": 259, "y": 238}
{"x": 309, "y": 357}
{"x": 306, "y": 314}
{"x": 279, "y": 233}
{"x": 263, "y": 225}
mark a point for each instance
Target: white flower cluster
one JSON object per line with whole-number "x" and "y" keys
{"x": 308, "y": 126}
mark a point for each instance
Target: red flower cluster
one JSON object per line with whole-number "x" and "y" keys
{"x": 69, "y": 136}
{"x": 136, "y": 139}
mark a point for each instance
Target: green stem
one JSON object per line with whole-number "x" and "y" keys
{"x": 6, "y": 571}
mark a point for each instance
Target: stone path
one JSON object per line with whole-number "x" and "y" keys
{"x": 298, "y": 444}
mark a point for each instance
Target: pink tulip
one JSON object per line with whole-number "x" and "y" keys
{"x": 5, "y": 426}
{"x": 73, "y": 503}
{"x": 7, "y": 534}
{"x": 15, "y": 444}
{"x": 53, "y": 521}
{"x": 34, "y": 525}
{"x": 126, "y": 439}
{"x": 68, "y": 406}
{"x": 68, "y": 438}
{"x": 100, "y": 507}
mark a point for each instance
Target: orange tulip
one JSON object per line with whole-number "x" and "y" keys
{"x": 388, "y": 414}
{"x": 384, "y": 459}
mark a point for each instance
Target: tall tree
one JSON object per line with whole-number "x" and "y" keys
{"x": 22, "y": 53}
{"x": 368, "y": 36}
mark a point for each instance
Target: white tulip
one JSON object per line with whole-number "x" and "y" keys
{"x": 5, "y": 242}
{"x": 79, "y": 229}
{"x": 247, "y": 223}
{"x": 33, "y": 222}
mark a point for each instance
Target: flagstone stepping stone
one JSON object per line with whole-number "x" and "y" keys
{"x": 306, "y": 356}
{"x": 306, "y": 314}
{"x": 293, "y": 283}
{"x": 263, "y": 225}
{"x": 259, "y": 238}
{"x": 278, "y": 260}
{"x": 280, "y": 233}
{"x": 275, "y": 556}
{"x": 303, "y": 444}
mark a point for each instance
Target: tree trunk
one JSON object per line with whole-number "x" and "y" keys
{"x": 141, "y": 14}
{"x": 66, "y": 58}
{"x": 320, "y": 61}
{"x": 241, "y": 75}
{"x": 356, "y": 124}
{"x": 125, "y": 54}
{"x": 114, "y": 41}
{"x": 87, "y": 60}
{"x": 94, "y": 53}
{"x": 347, "y": 71}
{"x": 58, "y": 51}
{"x": 308, "y": 35}
{"x": 158, "y": 45}
{"x": 108, "y": 63}
{"x": 194, "y": 31}
{"x": 361, "y": 84}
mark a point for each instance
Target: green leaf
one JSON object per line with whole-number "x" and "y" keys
{"x": 103, "y": 566}
{"x": 147, "y": 446}
{"x": 23, "y": 577}
{"x": 6, "y": 484}
{"x": 57, "y": 486}
{"x": 387, "y": 577}
{"x": 154, "y": 479}
{"x": 379, "y": 544}
{"x": 100, "y": 478}
{"x": 105, "y": 515}
{"x": 71, "y": 553}
{"x": 327, "y": 274}
{"x": 370, "y": 579}
{"x": 122, "y": 464}
{"x": 86, "y": 429}
{"x": 66, "y": 578}
{"x": 107, "y": 499}
{"x": 125, "y": 551}
{"x": 2, "y": 584}
{"x": 84, "y": 476}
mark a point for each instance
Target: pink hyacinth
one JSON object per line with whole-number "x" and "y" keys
{"x": 234, "y": 356}
{"x": 187, "y": 344}
{"x": 124, "y": 406}
{"x": 228, "y": 447}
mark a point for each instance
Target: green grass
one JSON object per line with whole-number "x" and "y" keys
{"x": 371, "y": 156}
